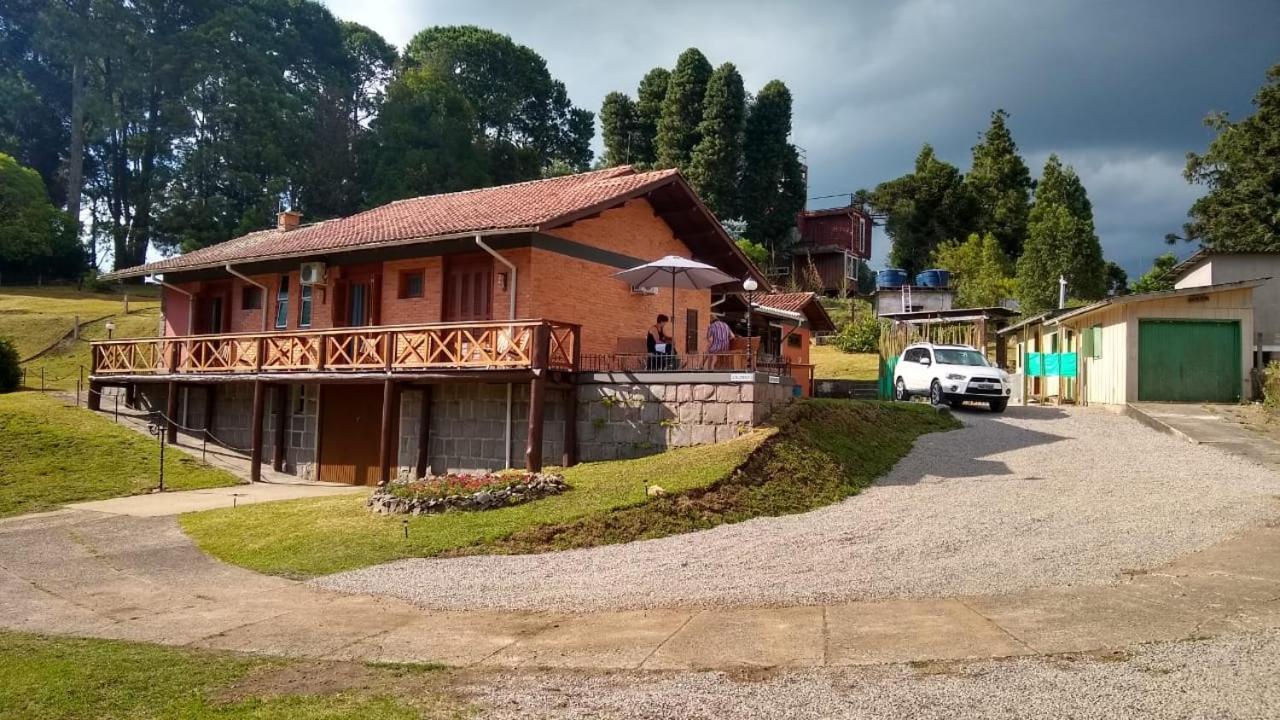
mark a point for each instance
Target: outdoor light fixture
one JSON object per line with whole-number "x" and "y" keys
{"x": 111, "y": 328}
{"x": 750, "y": 286}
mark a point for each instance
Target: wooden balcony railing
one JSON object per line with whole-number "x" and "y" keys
{"x": 400, "y": 348}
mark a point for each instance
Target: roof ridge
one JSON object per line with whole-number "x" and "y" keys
{"x": 610, "y": 172}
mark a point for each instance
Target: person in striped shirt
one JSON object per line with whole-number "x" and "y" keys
{"x": 719, "y": 336}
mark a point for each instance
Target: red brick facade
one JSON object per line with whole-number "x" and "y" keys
{"x": 549, "y": 285}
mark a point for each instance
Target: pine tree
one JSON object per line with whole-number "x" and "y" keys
{"x": 1066, "y": 243}
{"x": 1001, "y": 184}
{"x": 618, "y": 128}
{"x": 649, "y": 97}
{"x": 717, "y": 158}
{"x": 982, "y": 275}
{"x": 1241, "y": 210}
{"x": 682, "y": 110}
{"x": 772, "y": 175}
{"x": 923, "y": 209}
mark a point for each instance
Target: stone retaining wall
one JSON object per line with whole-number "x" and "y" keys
{"x": 631, "y": 415}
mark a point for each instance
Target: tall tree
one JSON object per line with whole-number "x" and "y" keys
{"x": 36, "y": 239}
{"x": 982, "y": 273}
{"x": 682, "y": 110}
{"x": 35, "y": 88}
{"x": 1241, "y": 169}
{"x": 649, "y": 98}
{"x": 618, "y": 128}
{"x": 717, "y": 158}
{"x": 523, "y": 114}
{"x": 923, "y": 209}
{"x": 1117, "y": 280}
{"x": 1001, "y": 185}
{"x": 1066, "y": 244}
{"x": 772, "y": 190}
{"x": 426, "y": 140}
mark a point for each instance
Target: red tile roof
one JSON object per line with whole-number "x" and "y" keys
{"x": 529, "y": 206}
{"x": 804, "y": 303}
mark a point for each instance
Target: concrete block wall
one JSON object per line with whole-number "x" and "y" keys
{"x": 300, "y": 429}
{"x": 467, "y": 426}
{"x": 619, "y": 419}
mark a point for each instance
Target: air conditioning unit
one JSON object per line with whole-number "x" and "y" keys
{"x": 312, "y": 273}
{"x": 637, "y": 290}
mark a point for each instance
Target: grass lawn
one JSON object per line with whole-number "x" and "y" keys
{"x": 52, "y": 454}
{"x": 62, "y": 365}
{"x": 44, "y": 678}
{"x": 834, "y": 364}
{"x": 821, "y": 452}
{"x": 36, "y": 317}
{"x": 305, "y": 538}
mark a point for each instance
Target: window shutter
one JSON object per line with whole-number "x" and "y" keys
{"x": 1086, "y": 343}
{"x": 690, "y": 331}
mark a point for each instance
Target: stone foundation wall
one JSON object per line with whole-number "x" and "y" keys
{"x": 618, "y": 416}
{"x": 621, "y": 419}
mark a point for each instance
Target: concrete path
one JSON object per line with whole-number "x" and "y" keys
{"x": 181, "y": 501}
{"x": 139, "y": 578}
{"x": 1206, "y": 424}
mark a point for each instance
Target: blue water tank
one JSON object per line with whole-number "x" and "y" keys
{"x": 891, "y": 277}
{"x": 934, "y": 278}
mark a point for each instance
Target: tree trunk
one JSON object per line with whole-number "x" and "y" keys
{"x": 75, "y": 156}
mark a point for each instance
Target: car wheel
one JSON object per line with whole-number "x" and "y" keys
{"x": 998, "y": 406}
{"x": 900, "y": 391}
{"x": 935, "y": 393}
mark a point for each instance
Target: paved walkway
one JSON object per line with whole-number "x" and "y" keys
{"x": 181, "y": 501}
{"x": 1207, "y": 424}
{"x": 139, "y": 578}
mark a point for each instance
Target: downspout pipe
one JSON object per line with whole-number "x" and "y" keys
{"x": 511, "y": 315}
{"x": 191, "y": 302}
{"x": 256, "y": 284}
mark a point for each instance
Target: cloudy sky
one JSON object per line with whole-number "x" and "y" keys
{"x": 1117, "y": 89}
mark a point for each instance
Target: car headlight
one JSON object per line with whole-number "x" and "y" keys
{"x": 954, "y": 376}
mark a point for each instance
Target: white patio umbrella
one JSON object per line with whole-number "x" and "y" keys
{"x": 677, "y": 272}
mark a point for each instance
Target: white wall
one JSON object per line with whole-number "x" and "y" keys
{"x": 1236, "y": 267}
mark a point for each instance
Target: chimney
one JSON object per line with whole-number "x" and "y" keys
{"x": 288, "y": 220}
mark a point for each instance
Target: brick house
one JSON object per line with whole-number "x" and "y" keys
{"x": 438, "y": 332}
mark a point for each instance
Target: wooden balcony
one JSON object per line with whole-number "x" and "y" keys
{"x": 521, "y": 345}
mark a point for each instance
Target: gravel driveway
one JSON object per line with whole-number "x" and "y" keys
{"x": 1035, "y": 497}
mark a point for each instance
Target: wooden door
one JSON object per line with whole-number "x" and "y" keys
{"x": 468, "y": 289}
{"x": 351, "y": 421}
{"x": 358, "y": 298}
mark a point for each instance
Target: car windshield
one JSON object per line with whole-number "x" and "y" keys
{"x": 960, "y": 357}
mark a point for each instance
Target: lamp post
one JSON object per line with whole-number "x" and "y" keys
{"x": 750, "y": 286}
{"x": 111, "y": 329}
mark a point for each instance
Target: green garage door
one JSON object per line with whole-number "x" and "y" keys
{"x": 1189, "y": 360}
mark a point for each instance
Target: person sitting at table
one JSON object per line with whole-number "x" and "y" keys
{"x": 658, "y": 343}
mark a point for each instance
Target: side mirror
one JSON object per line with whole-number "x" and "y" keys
{"x": 925, "y": 360}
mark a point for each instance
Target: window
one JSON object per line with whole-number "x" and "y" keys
{"x": 411, "y": 284}
{"x": 304, "y": 306}
{"x": 793, "y": 340}
{"x": 971, "y": 358}
{"x": 282, "y": 302}
{"x": 850, "y": 266}
{"x": 1091, "y": 342}
{"x": 250, "y": 297}
{"x": 690, "y": 331}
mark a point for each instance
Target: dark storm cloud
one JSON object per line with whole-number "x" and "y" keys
{"x": 1118, "y": 89}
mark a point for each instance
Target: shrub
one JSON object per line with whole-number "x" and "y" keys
{"x": 859, "y": 335}
{"x": 10, "y": 370}
{"x": 1271, "y": 384}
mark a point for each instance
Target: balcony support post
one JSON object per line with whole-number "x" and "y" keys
{"x": 170, "y": 410}
{"x": 388, "y": 443}
{"x": 282, "y": 427}
{"x": 255, "y": 451}
{"x": 95, "y": 396}
{"x": 537, "y": 397}
{"x": 570, "y": 426}
{"x": 424, "y": 435}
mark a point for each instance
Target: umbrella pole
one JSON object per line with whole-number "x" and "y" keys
{"x": 673, "y": 309}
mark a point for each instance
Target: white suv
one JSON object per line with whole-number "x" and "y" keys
{"x": 952, "y": 374}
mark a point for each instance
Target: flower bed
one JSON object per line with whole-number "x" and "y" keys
{"x": 457, "y": 491}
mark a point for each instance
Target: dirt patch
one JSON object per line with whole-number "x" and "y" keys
{"x": 426, "y": 684}
{"x": 1259, "y": 419}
